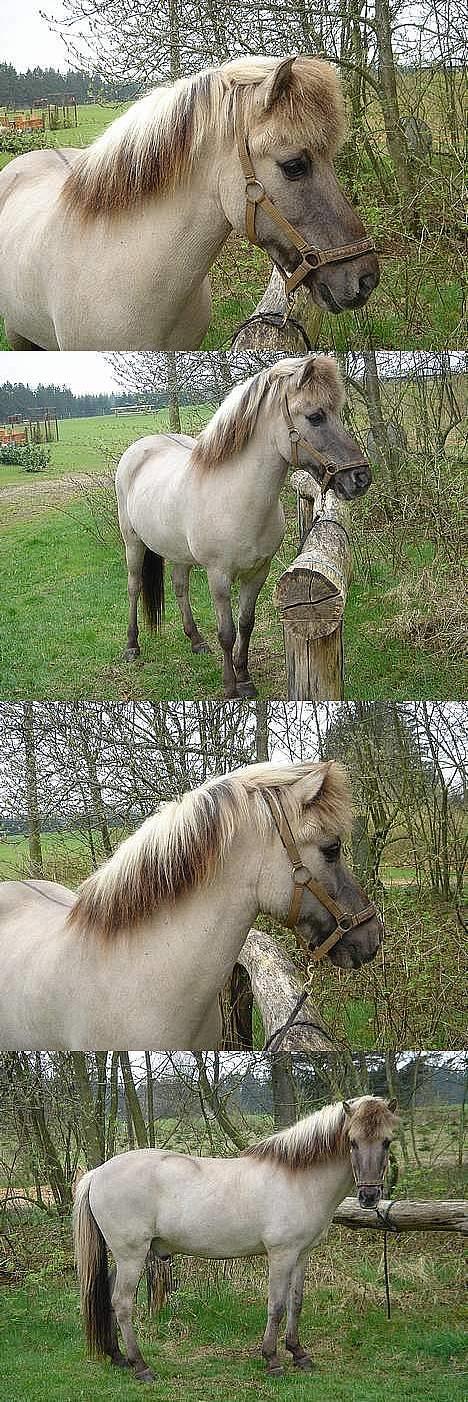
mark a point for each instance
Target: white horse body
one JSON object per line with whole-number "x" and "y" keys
{"x": 213, "y": 1208}
{"x": 73, "y": 310}
{"x": 141, "y": 955}
{"x": 215, "y": 501}
{"x": 110, "y": 248}
{"x": 275, "y": 1200}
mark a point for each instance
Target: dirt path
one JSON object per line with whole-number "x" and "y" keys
{"x": 25, "y": 501}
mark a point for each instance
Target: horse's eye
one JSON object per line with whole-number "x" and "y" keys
{"x": 332, "y": 853}
{"x": 294, "y": 169}
{"x": 317, "y": 418}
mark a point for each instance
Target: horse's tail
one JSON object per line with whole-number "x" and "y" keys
{"x": 93, "y": 1272}
{"x": 153, "y": 588}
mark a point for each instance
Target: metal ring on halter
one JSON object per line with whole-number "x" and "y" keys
{"x": 259, "y": 191}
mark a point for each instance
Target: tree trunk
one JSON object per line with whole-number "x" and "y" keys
{"x": 36, "y": 866}
{"x": 283, "y": 1090}
{"x": 406, "y": 1216}
{"x": 277, "y": 986}
{"x": 172, "y": 392}
{"x": 311, "y": 595}
{"x": 133, "y": 1103}
{"x": 389, "y": 98}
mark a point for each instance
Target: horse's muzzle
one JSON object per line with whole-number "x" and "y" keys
{"x": 369, "y": 1197}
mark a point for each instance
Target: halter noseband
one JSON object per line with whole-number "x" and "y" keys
{"x": 329, "y": 469}
{"x": 255, "y": 194}
{"x": 302, "y": 878}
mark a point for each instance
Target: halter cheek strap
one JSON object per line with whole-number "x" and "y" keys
{"x": 303, "y": 879}
{"x": 255, "y": 194}
{"x": 329, "y": 469}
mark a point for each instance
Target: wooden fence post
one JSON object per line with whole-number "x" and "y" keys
{"x": 311, "y": 596}
{"x": 277, "y": 984}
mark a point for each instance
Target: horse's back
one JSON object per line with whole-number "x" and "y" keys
{"x": 18, "y": 897}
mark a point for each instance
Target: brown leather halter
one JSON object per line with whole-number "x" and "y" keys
{"x": 302, "y": 878}
{"x": 255, "y": 194}
{"x": 329, "y": 469}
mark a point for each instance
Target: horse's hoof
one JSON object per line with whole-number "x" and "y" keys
{"x": 305, "y": 1364}
{"x": 246, "y": 688}
{"x": 276, "y": 1370}
{"x": 146, "y": 1376}
{"x": 202, "y": 646}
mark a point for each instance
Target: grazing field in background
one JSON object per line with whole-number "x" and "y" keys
{"x": 205, "y": 1342}
{"x": 413, "y": 306}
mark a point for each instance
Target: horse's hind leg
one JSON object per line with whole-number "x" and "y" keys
{"x": 301, "y": 1358}
{"x": 248, "y": 595}
{"x": 135, "y": 553}
{"x": 181, "y": 582}
{"x": 127, "y": 1277}
{"x": 117, "y": 1357}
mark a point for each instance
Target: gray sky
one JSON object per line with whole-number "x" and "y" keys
{"x": 27, "y": 41}
{"x": 85, "y": 372}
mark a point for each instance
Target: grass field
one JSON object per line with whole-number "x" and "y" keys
{"x": 413, "y": 306}
{"x": 205, "y": 1343}
{"x": 95, "y": 444}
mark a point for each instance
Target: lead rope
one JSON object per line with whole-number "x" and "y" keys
{"x": 276, "y": 319}
{"x": 388, "y": 1226}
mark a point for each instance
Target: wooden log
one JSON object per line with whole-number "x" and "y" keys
{"x": 311, "y": 595}
{"x": 276, "y": 987}
{"x": 407, "y": 1216}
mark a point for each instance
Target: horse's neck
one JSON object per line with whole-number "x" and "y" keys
{"x": 181, "y": 233}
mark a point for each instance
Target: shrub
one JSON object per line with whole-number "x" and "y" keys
{"x": 17, "y": 143}
{"x": 31, "y": 456}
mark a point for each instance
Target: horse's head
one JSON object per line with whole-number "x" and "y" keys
{"x": 311, "y": 434}
{"x": 289, "y": 124}
{"x": 330, "y": 912}
{"x": 371, "y": 1124}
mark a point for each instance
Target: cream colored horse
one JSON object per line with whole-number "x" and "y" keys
{"x": 140, "y": 956}
{"x": 215, "y": 501}
{"x": 110, "y": 248}
{"x": 276, "y": 1200}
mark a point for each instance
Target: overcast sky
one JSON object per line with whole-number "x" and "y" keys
{"x": 27, "y": 41}
{"x": 85, "y": 372}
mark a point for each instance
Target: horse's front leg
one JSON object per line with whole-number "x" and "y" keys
{"x": 301, "y": 1358}
{"x": 220, "y": 589}
{"x": 280, "y": 1265}
{"x": 248, "y": 595}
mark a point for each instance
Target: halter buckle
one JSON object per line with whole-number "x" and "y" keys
{"x": 301, "y": 875}
{"x": 258, "y": 189}
{"x": 346, "y": 922}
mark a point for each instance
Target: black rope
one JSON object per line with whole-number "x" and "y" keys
{"x": 280, "y": 1033}
{"x": 274, "y": 319}
{"x": 388, "y": 1226}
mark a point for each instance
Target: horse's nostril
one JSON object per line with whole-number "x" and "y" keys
{"x": 362, "y": 476}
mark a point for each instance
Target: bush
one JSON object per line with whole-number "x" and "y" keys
{"x": 17, "y": 143}
{"x": 32, "y": 456}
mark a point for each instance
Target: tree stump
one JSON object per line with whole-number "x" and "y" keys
{"x": 276, "y": 987}
{"x": 311, "y": 596}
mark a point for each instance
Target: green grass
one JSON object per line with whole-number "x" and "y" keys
{"x": 92, "y": 444}
{"x": 206, "y": 1342}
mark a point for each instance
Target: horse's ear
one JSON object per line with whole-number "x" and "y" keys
{"x": 392, "y": 1106}
{"x": 309, "y": 787}
{"x": 276, "y": 83}
{"x": 306, "y": 372}
{"x": 347, "y": 1108}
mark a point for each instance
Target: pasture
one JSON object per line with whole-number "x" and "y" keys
{"x": 63, "y": 580}
{"x": 205, "y": 1342}
{"x": 413, "y": 307}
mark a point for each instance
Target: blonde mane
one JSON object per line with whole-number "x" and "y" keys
{"x": 181, "y": 846}
{"x": 234, "y": 422}
{"x": 325, "y": 1134}
{"x": 152, "y": 148}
